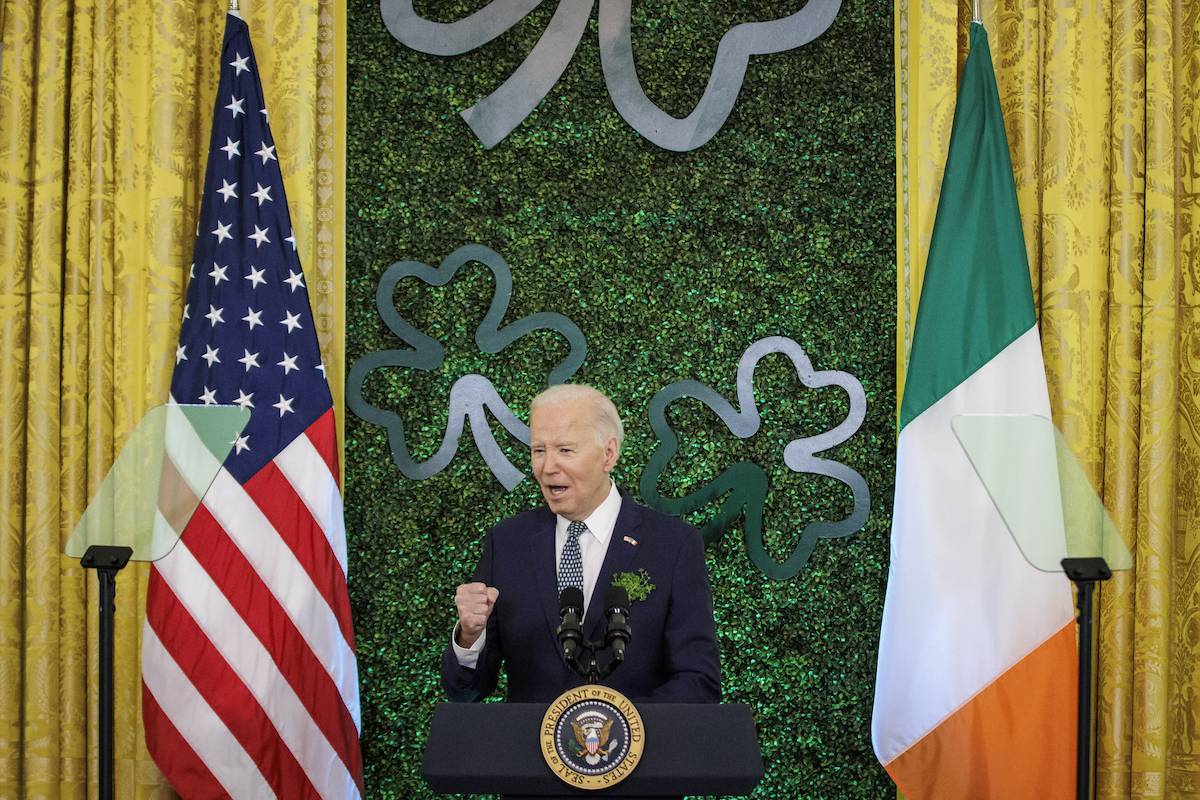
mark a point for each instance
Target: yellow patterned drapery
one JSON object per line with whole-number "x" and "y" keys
{"x": 105, "y": 113}
{"x": 1103, "y": 119}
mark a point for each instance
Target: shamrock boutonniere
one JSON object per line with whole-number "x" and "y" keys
{"x": 636, "y": 584}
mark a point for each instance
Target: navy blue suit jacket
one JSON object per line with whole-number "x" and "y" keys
{"x": 672, "y": 656}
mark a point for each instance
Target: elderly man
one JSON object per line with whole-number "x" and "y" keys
{"x": 587, "y": 534}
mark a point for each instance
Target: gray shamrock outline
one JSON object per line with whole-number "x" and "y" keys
{"x": 471, "y": 396}
{"x": 496, "y": 115}
{"x": 744, "y": 484}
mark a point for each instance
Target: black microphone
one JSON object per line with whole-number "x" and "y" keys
{"x": 616, "y": 609}
{"x": 570, "y": 627}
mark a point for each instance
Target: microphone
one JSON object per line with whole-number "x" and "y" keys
{"x": 616, "y": 609}
{"x": 570, "y": 627}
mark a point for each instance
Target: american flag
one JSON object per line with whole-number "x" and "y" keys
{"x": 249, "y": 681}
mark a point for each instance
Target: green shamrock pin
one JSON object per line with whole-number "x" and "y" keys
{"x": 636, "y": 584}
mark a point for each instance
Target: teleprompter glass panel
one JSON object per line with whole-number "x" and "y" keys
{"x": 1040, "y": 489}
{"x": 158, "y": 479}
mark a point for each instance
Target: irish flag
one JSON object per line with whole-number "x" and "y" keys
{"x": 975, "y": 692}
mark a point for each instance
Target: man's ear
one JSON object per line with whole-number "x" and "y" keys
{"x": 610, "y": 454}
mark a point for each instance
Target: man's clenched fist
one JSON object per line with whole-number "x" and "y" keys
{"x": 475, "y": 602}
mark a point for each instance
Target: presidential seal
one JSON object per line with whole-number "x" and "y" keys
{"x": 592, "y": 737}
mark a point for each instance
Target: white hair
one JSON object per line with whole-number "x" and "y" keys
{"x": 607, "y": 423}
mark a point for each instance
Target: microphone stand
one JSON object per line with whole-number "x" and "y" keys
{"x": 591, "y": 671}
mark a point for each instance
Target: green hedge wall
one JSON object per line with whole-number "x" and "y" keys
{"x": 671, "y": 264}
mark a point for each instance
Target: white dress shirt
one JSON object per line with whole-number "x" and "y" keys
{"x": 593, "y": 545}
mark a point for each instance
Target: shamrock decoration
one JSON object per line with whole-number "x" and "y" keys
{"x": 495, "y": 116}
{"x": 471, "y": 396}
{"x": 744, "y": 484}
{"x": 636, "y": 584}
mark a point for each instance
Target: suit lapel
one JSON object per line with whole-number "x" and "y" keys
{"x": 541, "y": 545}
{"x": 616, "y": 559}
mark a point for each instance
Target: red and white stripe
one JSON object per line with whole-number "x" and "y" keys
{"x": 250, "y": 684}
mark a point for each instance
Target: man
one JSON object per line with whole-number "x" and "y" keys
{"x": 587, "y": 533}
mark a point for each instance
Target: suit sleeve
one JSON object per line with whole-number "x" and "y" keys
{"x": 466, "y": 684}
{"x": 692, "y": 660}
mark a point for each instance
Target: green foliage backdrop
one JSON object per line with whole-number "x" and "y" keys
{"x": 671, "y": 264}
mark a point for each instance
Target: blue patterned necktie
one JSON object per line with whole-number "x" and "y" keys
{"x": 570, "y": 565}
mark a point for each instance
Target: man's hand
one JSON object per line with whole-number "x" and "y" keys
{"x": 475, "y": 602}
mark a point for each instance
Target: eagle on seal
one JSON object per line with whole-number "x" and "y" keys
{"x": 590, "y": 740}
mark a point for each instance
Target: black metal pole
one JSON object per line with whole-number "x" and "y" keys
{"x": 107, "y": 560}
{"x": 108, "y": 608}
{"x": 1085, "y": 572}
{"x": 593, "y": 671}
{"x": 1083, "y": 746}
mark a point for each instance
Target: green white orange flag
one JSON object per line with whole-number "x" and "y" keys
{"x": 975, "y": 692}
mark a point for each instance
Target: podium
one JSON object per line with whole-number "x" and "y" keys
{"x": 492, "y": 748}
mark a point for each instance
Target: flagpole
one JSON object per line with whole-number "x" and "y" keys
{"x": 976, "y": 17}
{"x": 233, "y": 6}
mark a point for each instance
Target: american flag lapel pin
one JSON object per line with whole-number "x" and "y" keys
{"x": 631, "y": 540}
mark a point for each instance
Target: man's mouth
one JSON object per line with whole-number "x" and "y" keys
{"x": 556, "y": 490}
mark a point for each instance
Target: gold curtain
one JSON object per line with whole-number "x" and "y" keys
{"x": 1103, "y": 115}
{"x": 105, "y": 114}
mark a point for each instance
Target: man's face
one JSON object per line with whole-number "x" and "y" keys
{"x": 568, "y": 462}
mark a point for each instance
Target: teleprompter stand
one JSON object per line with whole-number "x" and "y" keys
{"x": 138, "y": 514}
{"x": 107, "y": 560}
{"x": 1085, "y": 572}
{"x": 1058, "y": 522}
